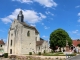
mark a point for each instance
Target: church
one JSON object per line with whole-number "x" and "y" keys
{"x": 23, "y": 38}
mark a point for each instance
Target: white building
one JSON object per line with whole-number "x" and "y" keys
{"x": 23, "y": 38}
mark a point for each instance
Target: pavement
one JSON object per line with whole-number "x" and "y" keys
{"x": 4, "y": 58}
{"x": 70, "y": 58}
{"x": 74, "y": 58}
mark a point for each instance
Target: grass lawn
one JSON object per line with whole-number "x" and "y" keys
{"x": 57, "y": 54}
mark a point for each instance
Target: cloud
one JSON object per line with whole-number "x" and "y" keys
{"x": 29, "y": 15}
{"x": 77, "y": 6}
{"x": 45, "y": 36}
{"x": 23, "y": 1}
{"x": 79, "y": 14}
{"x": 79, "y": 20}
{"x": 33, "y": 25}
{"x": 6, "y": 20}
{"x": 75, "y": 31}
{"x": 45, "y": 27}
{"x": 78, "y": 34}
{"x": 48, "y": 12}
{"x": 45, "y": 3}
{"x": 42, "y": 23}
{"x": 78, "y": 25}
{"x": 43, "y": 16}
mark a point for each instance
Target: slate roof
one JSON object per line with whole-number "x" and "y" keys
{"x": 75, "y": 42}
{"x": 39, "y": 42}
{"x": 2, "y": 42}
{"x": 26, "y": 25}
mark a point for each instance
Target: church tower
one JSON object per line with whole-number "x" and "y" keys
{"x": 20, "y": 16}
{"x": 21, "y": 37}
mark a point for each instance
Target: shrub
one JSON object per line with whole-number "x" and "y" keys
{"x": 63, "y": 50}
{"x": 71, "y": 54}
{"x": 60, "y": 52}
{"x": 44, "y": 51}
{"x": 30, "y": 53}
{"x": 5, "y": 55}
{"x": 52, "y": 51}
{"x": 51, "y": 54}
{"x": 39, "y": 53}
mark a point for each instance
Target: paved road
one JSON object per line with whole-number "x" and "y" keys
{"x": 74, "y": 58}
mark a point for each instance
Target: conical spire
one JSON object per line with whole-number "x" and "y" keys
{"x": 20, "y": 16}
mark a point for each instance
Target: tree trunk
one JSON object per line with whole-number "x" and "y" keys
{"x": 60, "y": 49}
{"x": 63, "y": 49}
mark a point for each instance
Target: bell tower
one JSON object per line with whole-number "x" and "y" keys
{"x": 20, "y": 17}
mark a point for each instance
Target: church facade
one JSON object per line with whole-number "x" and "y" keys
{"x": 23, "y": 38}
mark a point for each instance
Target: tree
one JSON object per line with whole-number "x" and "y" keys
{"x": 58, "y": 38}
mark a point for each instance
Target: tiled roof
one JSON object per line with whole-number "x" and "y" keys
{"x": 76, "y": 42}
{"x": 39, "y": 42}
{"x": 2, "y": 42}
{"x": 26, "y": 25}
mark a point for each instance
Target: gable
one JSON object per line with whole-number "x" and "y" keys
{"x": 2, "y": 42}
{"x": 39, "y": 42}
{"x": 31, "y": 27}
{"x": 15, "y": 22}
{"x": 76, "y": 42}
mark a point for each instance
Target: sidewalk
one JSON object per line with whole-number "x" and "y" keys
{"x": 4, "y": 58}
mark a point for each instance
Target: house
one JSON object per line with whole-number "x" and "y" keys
{"x": 2, "y": 46}
{"x": 75, "y": 42}
{"x": 42, "y": 46}
{"x": 75, "y": 46}
{"x": 23, "y": 38}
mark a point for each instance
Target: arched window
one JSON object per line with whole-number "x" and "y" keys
{"x": 28, "y": 33}
{"x": 10, "y": 51}
{"x": 11, "y": 42}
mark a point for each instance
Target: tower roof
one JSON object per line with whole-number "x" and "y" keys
{"x": 20, "y": 13}
{"x": 20, "y": 16}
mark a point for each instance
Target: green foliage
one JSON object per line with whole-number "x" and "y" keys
{"x": 52, "y": 51}
{"x": 5, "y": 55}
{"x": 53, "y": 54}
{"x": 78, "y": 45}
{"x": 39, "y": 53}
{"x": 30, "y": 53}
{"x": 44, "y": 51}
{"x": 71, "y": 54}
{"x": 58, "y": 54}
{"x": 58, "y": 38}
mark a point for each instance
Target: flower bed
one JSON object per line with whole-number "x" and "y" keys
{"x": 37, "y": 58}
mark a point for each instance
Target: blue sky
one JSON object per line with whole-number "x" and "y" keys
{"x": 45, "y": 15}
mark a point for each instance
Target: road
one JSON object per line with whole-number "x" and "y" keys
{"x": 74, "y": 58}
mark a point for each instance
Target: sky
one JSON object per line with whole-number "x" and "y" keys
{"x": 45, "y": 15}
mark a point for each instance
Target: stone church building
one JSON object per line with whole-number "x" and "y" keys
{"x": 23, "y": 38}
